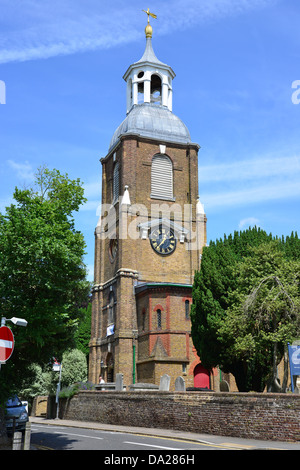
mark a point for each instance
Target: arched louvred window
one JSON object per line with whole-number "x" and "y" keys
{"x": 161, "y": 177}
{"x": 116, "y": 182}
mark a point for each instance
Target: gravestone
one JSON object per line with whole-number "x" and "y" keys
{"x": 165, "y": 383}
{"x": 119, "y": 383}
{"x": 224, "y": 386}
{"x": 180, "y": 384}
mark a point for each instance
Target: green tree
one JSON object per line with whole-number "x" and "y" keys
{"x": 38, "y": 381}
{"x": 225, "y": 316}
{"x": 83, "y": 333}
{"x": 74, "y": 367}
{"x": 263, "y": 315}
{"x": 42, "y": 274}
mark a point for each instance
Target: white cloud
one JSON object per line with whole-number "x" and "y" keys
{"x": 38, "y": 30}
{"x": 91, "y": 206}
{"x": 23, "y": 171}
{"x": 249, "y": 222}
{"x": 250, "y": 181}
{"x": 92, "y": 191}
{"x": 252, "y": 195}
{"x": 253, "y": 169}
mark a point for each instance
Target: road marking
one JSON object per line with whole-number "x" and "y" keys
{"x": 150, "y": 445}
{"x": 239, "y": 446}
{"x": 244, "y": 446}
{"x": 40, "y": 447}
{"x": 78, "y": 435}
{"x": 38, "y": 426}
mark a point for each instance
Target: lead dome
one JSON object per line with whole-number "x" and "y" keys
{"x": 154, "y": 122}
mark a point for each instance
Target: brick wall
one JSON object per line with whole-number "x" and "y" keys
{"x": 257, "y": 416}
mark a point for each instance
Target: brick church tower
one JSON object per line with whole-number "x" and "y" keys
{"x": 149, "y": 237}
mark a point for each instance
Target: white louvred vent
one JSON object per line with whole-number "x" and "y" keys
{"x": 162, "y": 177}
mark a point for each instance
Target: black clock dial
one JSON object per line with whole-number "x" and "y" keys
{"x": 163, "y": 241}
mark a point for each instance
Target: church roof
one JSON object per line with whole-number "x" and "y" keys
{"x": 149, "y": 58}
{"x": 153, "y": 121}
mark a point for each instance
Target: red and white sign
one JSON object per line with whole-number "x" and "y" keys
{"x": 6, "y": 343}
{"x": 56, "y": 365}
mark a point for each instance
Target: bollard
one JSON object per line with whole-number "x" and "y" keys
{"x": 17, "y": 441}
{"x": 27, "y": 436}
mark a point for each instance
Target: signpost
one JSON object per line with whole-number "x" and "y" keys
{"x": 294, "y": 358}
{"x": 57, "y": 367}
{"x": 6, "y": 344}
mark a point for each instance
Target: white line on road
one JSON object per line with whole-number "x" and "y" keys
{"x": 151, "y": 445}
{"x": 78, "y": 435}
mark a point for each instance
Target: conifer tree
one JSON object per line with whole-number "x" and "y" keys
{"x": 222, "y": 333}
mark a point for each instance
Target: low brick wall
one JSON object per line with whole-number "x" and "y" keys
{"x": 249, "y": 415}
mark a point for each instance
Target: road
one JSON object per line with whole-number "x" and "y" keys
{"x": 51, "y": 437}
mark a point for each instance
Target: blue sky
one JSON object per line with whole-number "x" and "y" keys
{"x": 235, "y": 61}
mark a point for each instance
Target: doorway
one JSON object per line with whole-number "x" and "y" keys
{"x": 201, "y": 377}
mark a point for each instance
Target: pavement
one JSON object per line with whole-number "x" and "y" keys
{"x": 230, "y": 442}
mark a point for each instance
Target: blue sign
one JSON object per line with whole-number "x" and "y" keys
{"x": 294, "y": 357}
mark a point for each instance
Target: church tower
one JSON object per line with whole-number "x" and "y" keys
{"x": 149, "y": 237}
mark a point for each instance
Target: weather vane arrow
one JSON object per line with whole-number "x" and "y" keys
{"x": 149, "y": 14}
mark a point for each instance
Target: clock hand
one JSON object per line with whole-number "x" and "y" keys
{"x": 163, "y": 240}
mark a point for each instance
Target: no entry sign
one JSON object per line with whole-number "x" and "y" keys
{"x": 6, "y": 343}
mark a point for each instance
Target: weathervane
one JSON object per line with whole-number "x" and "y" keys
{"x": 149, "y": 14}
{"x": 148, "y": 29}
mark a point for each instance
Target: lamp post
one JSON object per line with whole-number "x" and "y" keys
{"x": 15, "y": 321}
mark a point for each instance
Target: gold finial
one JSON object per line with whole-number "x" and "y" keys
{"x": 148, "y": 29}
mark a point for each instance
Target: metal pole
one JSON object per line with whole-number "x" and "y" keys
{"x": 57, "y": 392}
{"x": 133, "y": 363}
{"x": 3, "y": 320}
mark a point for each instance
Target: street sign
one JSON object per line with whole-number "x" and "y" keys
{"x": 56, "y": 366}
{"x": 6, "y": 343}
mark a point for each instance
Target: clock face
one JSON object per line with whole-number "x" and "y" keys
{"x": 163, "y": 241}
{"x": 113, "y": 248}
